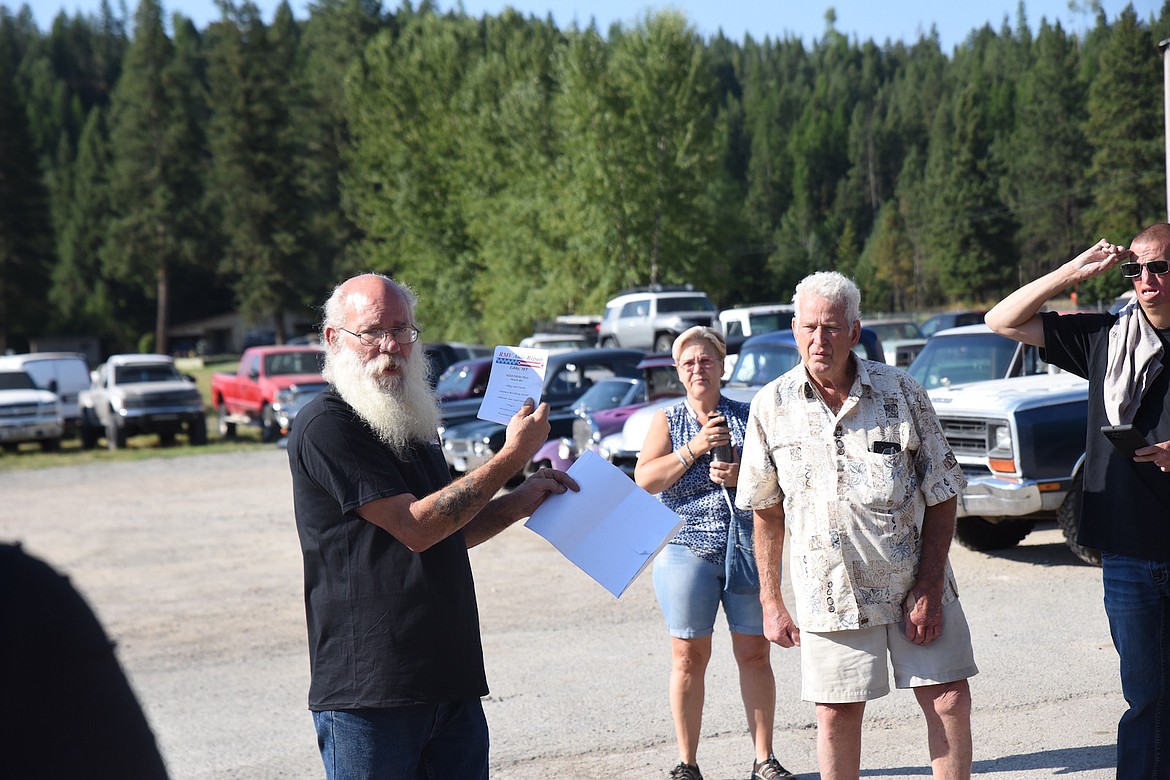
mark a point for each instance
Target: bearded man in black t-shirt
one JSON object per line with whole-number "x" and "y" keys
{"x": 1126, "y": 497}
{"x": 394, "y": 644}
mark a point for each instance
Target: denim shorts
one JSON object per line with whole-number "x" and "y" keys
{"x": 689, "y": 591}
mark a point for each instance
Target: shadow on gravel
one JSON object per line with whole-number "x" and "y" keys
{"x": 1065, "y": 761}
{"x": 1055, "y": 554}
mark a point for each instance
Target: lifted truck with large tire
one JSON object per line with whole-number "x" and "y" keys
{"x": 137, "y": 394}
{"x": 1020, "y": 439}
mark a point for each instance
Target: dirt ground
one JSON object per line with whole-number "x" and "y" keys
{"x": 193, "y": 566}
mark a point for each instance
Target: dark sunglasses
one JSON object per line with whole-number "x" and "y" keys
{"x": 1133, "y": 270}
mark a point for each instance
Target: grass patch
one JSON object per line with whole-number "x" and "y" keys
{"x": 30, "y": 456}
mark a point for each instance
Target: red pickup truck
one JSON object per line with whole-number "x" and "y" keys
{"x": 268, "y": 380}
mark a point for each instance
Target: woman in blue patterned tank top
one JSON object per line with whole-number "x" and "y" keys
{"x": 690, "y": 459}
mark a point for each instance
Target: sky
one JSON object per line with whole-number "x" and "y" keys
{"x": 905, "y": 20}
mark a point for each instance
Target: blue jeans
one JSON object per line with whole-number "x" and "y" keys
{"x": 1137, "y": 601}
{"x": 415, "y": 742}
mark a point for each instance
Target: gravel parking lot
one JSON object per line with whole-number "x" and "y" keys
{"x": 193, "y": 566}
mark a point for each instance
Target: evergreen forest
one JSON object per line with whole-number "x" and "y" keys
{"x": 154, "y": 173}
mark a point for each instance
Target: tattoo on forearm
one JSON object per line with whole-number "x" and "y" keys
{"x": 455, "y": 500}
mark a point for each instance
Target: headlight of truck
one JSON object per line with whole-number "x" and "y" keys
{"x": 284, "y": 397}
{"x": 1000, "y": 437}
{"x": 1001, "y": 457}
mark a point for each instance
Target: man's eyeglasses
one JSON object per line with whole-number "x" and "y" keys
{"x": 372, "y": 338}
{"x": 1134, "y": 270}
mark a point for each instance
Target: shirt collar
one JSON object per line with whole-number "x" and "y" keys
{"x": 810, "y": 391}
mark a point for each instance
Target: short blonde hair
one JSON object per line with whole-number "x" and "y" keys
{"x": 699, "y": 333}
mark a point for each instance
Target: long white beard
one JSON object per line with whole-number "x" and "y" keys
{"x": 402, "y": 410}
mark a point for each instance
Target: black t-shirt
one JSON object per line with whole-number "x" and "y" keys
{"x": 1126, "y": 507}
{"x": 387, "y": 626}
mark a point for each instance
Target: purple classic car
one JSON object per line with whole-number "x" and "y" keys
{"x": 660, "y": 382}
{"x": 464, "y": 379}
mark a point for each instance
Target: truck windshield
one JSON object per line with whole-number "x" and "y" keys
{"x": 163, "y": 372}
{"x": 973, "y": 357}
{"x": 16, "y": 380}
{"x": 284, "y": 363}
{"x": 759, "y": 365}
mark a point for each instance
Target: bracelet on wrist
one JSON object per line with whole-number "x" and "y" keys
{"x": 693, "y": 458}
{"x": 681, "y": 459}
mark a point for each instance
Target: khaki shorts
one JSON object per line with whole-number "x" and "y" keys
{"x": 838, "y": 667}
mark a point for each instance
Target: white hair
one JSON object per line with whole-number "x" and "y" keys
{"x": 834, "y": 287}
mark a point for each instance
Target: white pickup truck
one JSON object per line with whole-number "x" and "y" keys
{"x": 135, "y": 394}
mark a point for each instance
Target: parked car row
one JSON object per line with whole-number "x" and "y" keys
{"x": 1016, "y": 424}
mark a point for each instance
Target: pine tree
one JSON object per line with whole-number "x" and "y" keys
{"x": 25, "y": 229}
{"x": 1046, "y": 155}
{"x": 155, "y": 170}
{"x": 255, "y": 80}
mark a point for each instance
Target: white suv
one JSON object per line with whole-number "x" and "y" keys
{"x": 650, "y": 318}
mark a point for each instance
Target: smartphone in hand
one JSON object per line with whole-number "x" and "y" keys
{"x": 1125, "y": 438}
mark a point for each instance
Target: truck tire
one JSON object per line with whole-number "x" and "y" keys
{"x": 197, "y": 431}
{"x": 663, "y": 342}
{"x": 115, "y": 436}
{"x": 1068, "y": 516}
{"x": 90, "y": 434}
{"x": 976, "y": 533}
{"x": 51, "y": 445}
{"x": 269, "y": 429}
{"x": 227, "y": 430}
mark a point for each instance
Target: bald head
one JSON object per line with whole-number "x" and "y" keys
{"x": 365, "y": 296}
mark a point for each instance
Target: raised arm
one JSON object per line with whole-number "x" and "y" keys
{"x": 421, "y": 522}
{"x": 1017, "y": 316}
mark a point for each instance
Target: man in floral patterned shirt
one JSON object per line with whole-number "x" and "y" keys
{"x": 846, "y": 458}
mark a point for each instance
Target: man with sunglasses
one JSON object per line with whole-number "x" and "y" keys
{"x": 395, "y": 658}
{"x": 1126, "y": 498}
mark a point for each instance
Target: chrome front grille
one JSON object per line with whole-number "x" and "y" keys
{"x": 966, "y": 437}
{"x": 21, "y": 410}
